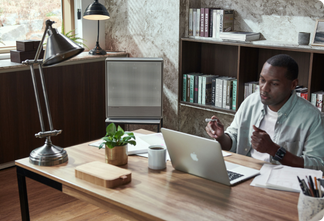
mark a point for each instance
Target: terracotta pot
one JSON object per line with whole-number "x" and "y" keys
{"x": 117, "y": 156}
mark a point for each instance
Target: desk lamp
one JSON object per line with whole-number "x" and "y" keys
{"x": 96, "y": 11}
{"x": 58, "y": 49}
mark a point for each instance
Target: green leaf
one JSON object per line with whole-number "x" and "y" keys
{"x": 132, "y": 142}
{"x": 111, "y": 129}
{"x": 102, "y": 145}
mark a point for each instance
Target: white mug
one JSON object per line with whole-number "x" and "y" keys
{"x": 156, "y": 157}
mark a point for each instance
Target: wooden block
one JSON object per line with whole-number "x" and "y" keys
{"x": 19, "y": 56}
{"x": 103, "y": 174}
{"x": 27, "y": 45}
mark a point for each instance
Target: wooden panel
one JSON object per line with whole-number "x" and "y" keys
{"x": 248, "y": 70}
{"x": 317, "y": 73}
{"x": 76, "y": 96}
{"x": 219, "y": 59}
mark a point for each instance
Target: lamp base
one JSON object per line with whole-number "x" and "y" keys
{"x": 97, "y": 51}
{"x": 48, "y": 155}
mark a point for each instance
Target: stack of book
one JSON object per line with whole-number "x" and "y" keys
{"x": 317, "y": 100}
{"x": 210, "y": 22}
{"x": 219, "y": 91}
{"x": 240, "y": 36}
{"x": 250, "y": 88}
{"x": 302, "y": 92}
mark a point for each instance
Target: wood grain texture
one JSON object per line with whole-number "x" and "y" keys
{"x": 170, "y": 194}
{"x": 103, "y": 174}
{"x": 76, "y": 96}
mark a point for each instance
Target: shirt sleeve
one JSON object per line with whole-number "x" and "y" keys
{"x": 313, "y": 153}
{"x": 232, "y": 130}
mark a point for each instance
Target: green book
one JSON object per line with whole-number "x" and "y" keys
{"x": 192, "y": 86}
{"x": 184, "y": 87}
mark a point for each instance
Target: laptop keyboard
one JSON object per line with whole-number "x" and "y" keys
{"x": 233, "y": 176}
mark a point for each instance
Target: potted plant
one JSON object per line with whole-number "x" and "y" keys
{"x": 115, "y": 142}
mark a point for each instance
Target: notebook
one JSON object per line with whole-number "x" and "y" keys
{"x": 203, "y": 157}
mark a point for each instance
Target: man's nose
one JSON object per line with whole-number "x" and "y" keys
{"x": 266, "y": 87}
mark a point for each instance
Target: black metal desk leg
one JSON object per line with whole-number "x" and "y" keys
{"x": 23, "y": 196}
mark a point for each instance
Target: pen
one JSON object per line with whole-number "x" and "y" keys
{"x": 316, "y": 187}
{"x": 302, "y": 186}
{"x": 307, "y": 191}
{"x": 310, "y": 187}
{"x": 209, "y": 120}
{"x": 319, "y": 188}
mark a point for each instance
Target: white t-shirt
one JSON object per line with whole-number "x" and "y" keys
{"x": 268, "y": 125}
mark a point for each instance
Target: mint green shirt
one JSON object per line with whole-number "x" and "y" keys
{"x": 299, "y": 129}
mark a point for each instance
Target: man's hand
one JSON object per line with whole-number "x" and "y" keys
{"x": 262, "y": 142}
{"x": 215, "y": 129}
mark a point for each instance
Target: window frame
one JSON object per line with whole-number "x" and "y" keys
{"x": 67, "y": 16}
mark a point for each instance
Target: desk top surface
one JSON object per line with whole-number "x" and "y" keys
{"x": 174, "y": 195}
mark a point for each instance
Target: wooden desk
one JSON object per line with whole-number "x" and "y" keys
{"x": 162, "y": 195}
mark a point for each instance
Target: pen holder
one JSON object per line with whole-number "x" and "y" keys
{"x": 309, "y": 206}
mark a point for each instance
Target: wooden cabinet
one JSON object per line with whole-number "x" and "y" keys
{"x": 76, "y": 96}
{"x": 244, "y": 61}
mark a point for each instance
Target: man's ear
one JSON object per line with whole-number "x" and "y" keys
{"x": 294, "y": 83}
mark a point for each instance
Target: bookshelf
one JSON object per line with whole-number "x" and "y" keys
{"x": 244, "y": 61}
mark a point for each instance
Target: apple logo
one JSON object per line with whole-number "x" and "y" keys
{"x": 194, "y": 156}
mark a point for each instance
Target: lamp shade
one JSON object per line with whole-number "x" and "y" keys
{"x": 59, "y": 48}
{"x": 96, "y": 11}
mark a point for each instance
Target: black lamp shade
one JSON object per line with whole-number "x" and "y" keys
{"x": 59, "y": 48}
{"x": 96, "y": 11}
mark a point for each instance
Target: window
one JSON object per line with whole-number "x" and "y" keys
{"x": 25, "y": 19}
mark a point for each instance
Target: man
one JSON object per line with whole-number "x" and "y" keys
{"x": 274, "y": 124}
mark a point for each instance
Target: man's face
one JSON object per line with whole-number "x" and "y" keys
{"x": 275, "y": 88}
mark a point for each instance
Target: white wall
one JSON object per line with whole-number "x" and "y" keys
{"x": 88, "y": 29}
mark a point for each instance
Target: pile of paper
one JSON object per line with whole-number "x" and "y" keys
{"x": 281, "y": 177}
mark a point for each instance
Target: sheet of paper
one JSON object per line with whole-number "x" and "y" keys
{"x": 282, "y": 177}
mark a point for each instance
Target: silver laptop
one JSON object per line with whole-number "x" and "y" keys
{"x": 203, "y": 157}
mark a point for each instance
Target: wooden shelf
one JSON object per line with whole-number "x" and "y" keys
{"x": 244, "y": 61}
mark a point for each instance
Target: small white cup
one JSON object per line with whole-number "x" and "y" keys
{"x": 156, "y": 157}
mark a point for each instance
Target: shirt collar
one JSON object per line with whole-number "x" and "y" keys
{"x": 286, "y": 108}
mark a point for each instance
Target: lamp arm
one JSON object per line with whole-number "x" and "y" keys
{"x": 40, "y": 46}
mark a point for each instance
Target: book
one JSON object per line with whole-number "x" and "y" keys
{"x": 240, "y": 36}
{"x": 214, "y": 23}
{"x": 198, "y": 23}
{"x": 192, "y": 87}
{"x": 212, "y": 19}
{"x": 250, "y": 87}
{"x": 227, "y": 93}
{"x": 213, "y": 90}
{"x": 194, "y": 22}
{"x": 202, "y": 22}
{"x": 314, "y": 97}
{"x": 196, "y": 83}
{"x": 184, "y": 87}
{"x": 219, "y": 91}
{"x": 190, "y": 29}
{"x": 301, "y": 91}
{"x": 234, "y": 96}
{"x": 319, "y": 101}
{"x": 224, "y": 21}
{"x": 200, "y": 88}
{"x": 206, "y": 22}
{"x": 206, "y": 94}
{"x": 188, "y": 87}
